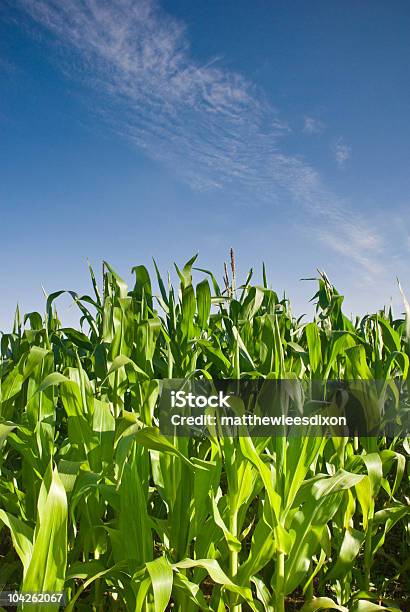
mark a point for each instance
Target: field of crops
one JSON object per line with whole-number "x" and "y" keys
{"x": 96, "y": 501}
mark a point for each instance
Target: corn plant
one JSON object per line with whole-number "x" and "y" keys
{"x": 96, "y": 501}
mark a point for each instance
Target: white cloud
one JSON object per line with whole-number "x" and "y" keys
{"x": 313, "y": 126}
{"x": 356, "y": 241}
{"x": 209, "y": 125}
{"x": 341, "y": 152}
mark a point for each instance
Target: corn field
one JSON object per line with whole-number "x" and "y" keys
{"x": 95, "y": 501}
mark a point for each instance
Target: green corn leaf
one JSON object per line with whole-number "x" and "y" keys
{"x": 363, "y": 605}
{"x": 161, "y": 574}
{"x": 351, "y": 544}
{"x": 231, "y": 540}
{"x": 22, "y": 537}
{"x": 203, "y": 297}
{"x": 314, "y": 346}
{"x": 322, "y": 603}
{"x": 5, "y": 429}
{"x": 217, "y": 574}
{"x": 46, "y": 571}
{"x": 192, "y": 590}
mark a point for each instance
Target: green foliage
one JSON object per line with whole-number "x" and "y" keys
{"x": 95, "y": 500}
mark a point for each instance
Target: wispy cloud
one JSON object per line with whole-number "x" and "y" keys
{"x": 313, "y": 126}
{"x": 355, "y": 240}
{"x": 210, "y": 125}
{"x": 341, "y": 151}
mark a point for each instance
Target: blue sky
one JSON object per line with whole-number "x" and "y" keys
{"x": 133, "y": 129}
